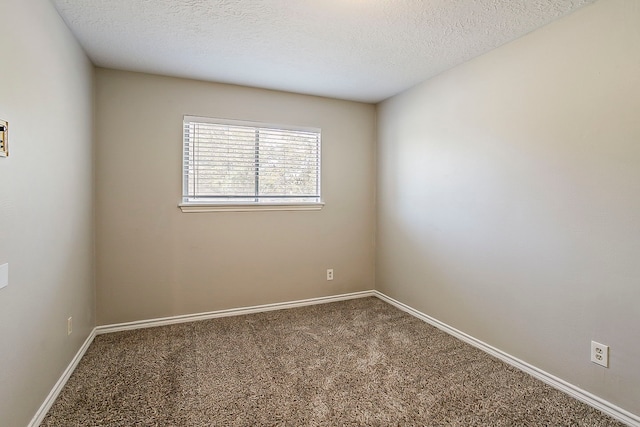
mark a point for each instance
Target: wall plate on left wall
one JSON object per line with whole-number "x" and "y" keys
{"x": 4, "y": 138}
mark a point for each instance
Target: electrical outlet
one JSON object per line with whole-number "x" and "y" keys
{"x": 600, "y": 354}
{"x": 69, "y": 325}
{"x": 4, "y": 275}
{"x": 330, "y": 274}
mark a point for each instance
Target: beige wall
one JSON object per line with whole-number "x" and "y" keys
{"x": 509, "y": 198}
{"x": 45, "y": 204}
{"x": 154, "y": 261}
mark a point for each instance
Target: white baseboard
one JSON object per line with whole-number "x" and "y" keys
{"x": 59, "y": 385}
{"x": 57, "y": 388}
{"x": 558, "y": 383}
{"x": 576, "y": 392}
{"x": 230, "y": 312}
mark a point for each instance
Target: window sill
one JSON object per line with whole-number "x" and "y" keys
{"x": 248, "y": 207}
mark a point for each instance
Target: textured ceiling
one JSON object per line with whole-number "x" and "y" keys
{"x": 364, "y": 50}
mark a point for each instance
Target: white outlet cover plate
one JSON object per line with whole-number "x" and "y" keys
{"x": 600, "y": 354}
{"x": 4, "y": 275}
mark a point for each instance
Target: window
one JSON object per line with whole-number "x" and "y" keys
{"x": 229, "y": 164}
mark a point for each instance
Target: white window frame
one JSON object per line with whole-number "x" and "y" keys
{"x": 215, "y": 206}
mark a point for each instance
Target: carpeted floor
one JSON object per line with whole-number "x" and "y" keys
{"x": 353, "y": 363}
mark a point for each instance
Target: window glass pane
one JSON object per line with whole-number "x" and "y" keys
{"x": 288, "y": 165}
{"x": 231, "y": 162}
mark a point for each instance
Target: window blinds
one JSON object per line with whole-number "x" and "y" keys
{"x": 227, "y": 161}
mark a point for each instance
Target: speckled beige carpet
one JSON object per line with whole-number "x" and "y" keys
{"x": 353, "y": 363}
